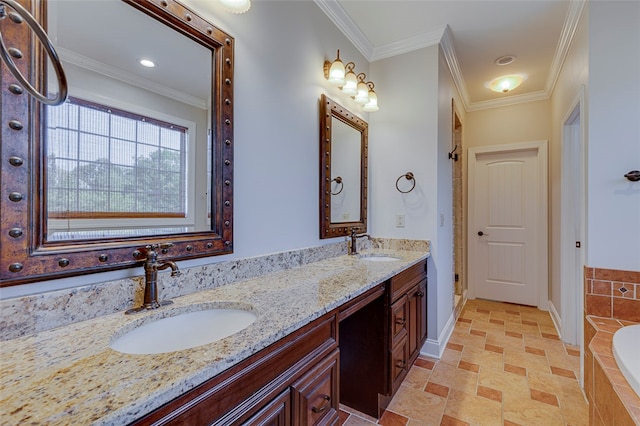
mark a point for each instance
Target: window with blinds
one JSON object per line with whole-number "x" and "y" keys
{"x": 104, "y": 162}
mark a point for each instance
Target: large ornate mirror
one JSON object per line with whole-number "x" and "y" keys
{"x": 137, "y": 155}
{"x": 343, "y": 170}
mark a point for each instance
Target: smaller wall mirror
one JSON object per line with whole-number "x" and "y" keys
{"x": 343, "y": 170}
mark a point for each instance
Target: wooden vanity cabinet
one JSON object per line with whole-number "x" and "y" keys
{"x": 292, "y": 382}
{"x": 357, "y": 355}
{"x": 408, "y": 322}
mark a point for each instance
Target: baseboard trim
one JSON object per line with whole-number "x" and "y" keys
{"x": 555, "y": 317}
{"x": 435, "y": 348}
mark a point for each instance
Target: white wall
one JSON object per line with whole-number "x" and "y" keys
{"x": 613, "y": 203}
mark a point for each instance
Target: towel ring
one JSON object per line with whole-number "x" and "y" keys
{"x": 633, "y": 175}
{"x": 408, "y": 176}
{"x": 6, "y": 54}
{"x": 338, "y": 180}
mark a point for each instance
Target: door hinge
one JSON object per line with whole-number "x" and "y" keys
{"x": 577, "y": 244}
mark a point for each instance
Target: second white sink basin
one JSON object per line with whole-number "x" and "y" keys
{"x": 184, "y": 330}
{"x": 378, "y": 258}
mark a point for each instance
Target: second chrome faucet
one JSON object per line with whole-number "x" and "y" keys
{"x": 151, "y": 268}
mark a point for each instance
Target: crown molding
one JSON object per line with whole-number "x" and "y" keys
{"x": 510, "y": 100}
{"x": 129, "y": 78}
{"x": 452, "y": 61}
{"x": 343, "y": 21}
{"x": 410, "y": 44}
{"x": 564, "y": 42}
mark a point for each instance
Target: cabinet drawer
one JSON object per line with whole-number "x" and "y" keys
{"x": 399, "y": 316}
{"x": 315, "y": 395}
{"x": 406, "y": 279}
{"x": 275, "y": 413}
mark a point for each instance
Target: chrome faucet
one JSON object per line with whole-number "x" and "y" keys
{"x": 353, "y": 246}
{"x": 151, "y": 268}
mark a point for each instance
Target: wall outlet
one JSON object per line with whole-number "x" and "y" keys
{"x": 400, "y": 220}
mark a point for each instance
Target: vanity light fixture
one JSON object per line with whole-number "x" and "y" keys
{"x": 236, "y": 6}
{"x": 506, "y": 83}
{"x": 356, "y": 86}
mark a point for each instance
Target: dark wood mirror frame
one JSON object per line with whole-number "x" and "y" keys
{"x": 25, "y": 256}
{"x": 330, "y": 110}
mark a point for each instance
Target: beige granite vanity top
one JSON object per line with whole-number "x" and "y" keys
{"x": 70, "y": 375}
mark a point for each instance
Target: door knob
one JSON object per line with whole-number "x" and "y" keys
{"x": 480, "y": 233}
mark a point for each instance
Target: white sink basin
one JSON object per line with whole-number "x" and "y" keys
{"x": 378, "y": 258}
{"x": 184, "y": 330}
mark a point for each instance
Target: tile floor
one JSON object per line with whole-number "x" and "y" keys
{"x": 504, "y": 365}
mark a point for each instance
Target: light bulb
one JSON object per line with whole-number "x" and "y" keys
{"x": 350, "y": 86}
{"x": 363, "y": 93}
{"x": 236, "y": 6}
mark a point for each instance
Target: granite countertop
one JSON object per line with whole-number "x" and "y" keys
{"x": 71, "y": 375}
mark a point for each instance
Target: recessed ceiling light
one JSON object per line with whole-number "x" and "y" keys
{"x": 506, "y": 83}
{"x": 147, "y": 63}
{"x": 505, "y": 60}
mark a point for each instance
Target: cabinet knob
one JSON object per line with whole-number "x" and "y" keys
{"x": 400, "y": 364}
{"x": 401, "y": 321}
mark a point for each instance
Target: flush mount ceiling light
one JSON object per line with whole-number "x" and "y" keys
{"x": 506, "y": 83}
{"x": 356, "y": 86}
{"x": 236, "y": 6}
{"x": 147, "y": 63}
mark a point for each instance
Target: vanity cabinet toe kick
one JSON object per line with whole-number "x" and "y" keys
{"x": 297, "y": 380}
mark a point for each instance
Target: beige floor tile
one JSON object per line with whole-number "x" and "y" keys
{"x": 524, "y": 329}
{"x": 575, "y": 410}
{"x": 527, "y": 360}
{"x": 551, "y": 383}
{"x": 488, "y": 327}
{"x": 454, "y": 378}
{"x": 526, "y": 411}
{"x": 418, "y": 405}
{"x": 473, "y": 409}
{"x": 508, "y": 383}
{"x": 417, "y": 378}
{"x": 500, "y": 339}
{"x": 485, "y": 359}
{"x": 559, "y": 358}
{"x": 451, "y": 357}
{"x": 467, "y": 339}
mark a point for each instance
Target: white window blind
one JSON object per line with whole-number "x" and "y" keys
{"x": 104, "y": 162}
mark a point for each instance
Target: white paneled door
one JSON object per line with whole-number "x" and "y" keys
{"x": 508, "y": 223}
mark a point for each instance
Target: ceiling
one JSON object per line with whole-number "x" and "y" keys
{"x": 473, "y": 34}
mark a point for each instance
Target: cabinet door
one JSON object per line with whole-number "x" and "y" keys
{"x": 399, "y": 319}
{"x": 315, "y": 395}
{"x": 399, "y": 363}
{"x": 275, "y": 413}
{"x": 417, "y": 319}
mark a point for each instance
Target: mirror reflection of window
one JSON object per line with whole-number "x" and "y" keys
{"x": 346, "y": 163}
{"x": 109, "y": 164}
{"x": 138, "y": 160}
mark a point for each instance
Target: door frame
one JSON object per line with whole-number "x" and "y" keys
{"x": 540, "y": 148}
{"x": 572, "y": 277}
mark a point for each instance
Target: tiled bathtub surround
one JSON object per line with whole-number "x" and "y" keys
{"x": 611, "y": 293}
{"x": 35, "y": 313}
{"x": 612, "y": 400}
